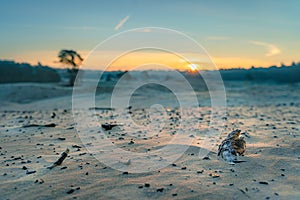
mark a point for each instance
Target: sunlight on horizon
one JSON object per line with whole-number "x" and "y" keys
{"x": 49, "y": 58}
{"x": 193, "y": 67}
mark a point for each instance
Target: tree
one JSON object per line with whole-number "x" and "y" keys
{"x": 73, "y": 59}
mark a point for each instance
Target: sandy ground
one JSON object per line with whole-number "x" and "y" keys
{"x": 269, "y": 113}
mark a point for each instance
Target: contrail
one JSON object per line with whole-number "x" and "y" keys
{"x": 121, "y": 23}
{"x": 273, "y": 49}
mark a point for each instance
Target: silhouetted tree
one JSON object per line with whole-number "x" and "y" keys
{"x": 73, "y": 59}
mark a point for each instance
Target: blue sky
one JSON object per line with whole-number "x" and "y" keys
{"x": 235, "y": 33}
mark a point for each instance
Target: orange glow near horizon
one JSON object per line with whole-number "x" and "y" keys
{"x": 147, "y": 60}
{"x": 131, "y": 60}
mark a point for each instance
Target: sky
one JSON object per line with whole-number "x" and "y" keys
{"x": 234, "y": 33}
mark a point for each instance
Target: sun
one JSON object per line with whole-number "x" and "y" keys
{"x": 193, "y": 67}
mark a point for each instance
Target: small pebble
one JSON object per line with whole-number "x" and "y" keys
{"x": 206, "y": 158}
{"x": 70, "y": 191}
{"x": 131, "y": 142}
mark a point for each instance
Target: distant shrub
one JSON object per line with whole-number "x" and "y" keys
{"x": 23, "y": 72}
{"x": 283, "y": 74}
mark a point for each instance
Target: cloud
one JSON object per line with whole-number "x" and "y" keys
{"x": 121, "y": 23}
{"x": 214, "y": 38}
{"x": 273, "y": 49}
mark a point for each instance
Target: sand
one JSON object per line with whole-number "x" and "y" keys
{"x": 268, "y": 113}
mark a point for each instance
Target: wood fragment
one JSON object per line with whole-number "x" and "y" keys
{"x": 39, "y": 125}
{"x": 101, "y": 108}
{"x": 108, "y": 127}
{"x": 60, "y": 159}
{"x": 263, "y": 182}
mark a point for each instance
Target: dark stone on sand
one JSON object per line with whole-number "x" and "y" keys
{"x": 30, "y": 172}
{"x": 131, "y": 142}
{"x": 101, "y": 108}
{"x": 140, "y": 186}
{"x": 61, "y": 138}
{"x": 107, "y": 126}
{"x": 174, "y": 195}
{"x": 160, "y": 190}
{"x": 183, "y": 168}
{"x": 24, "y": 167}
{"x": 41, "y": 181}
{"x": 206, "y": 158}
{"x": 263, "y": 182}
{"x": 125, "y": 172}
{"x": 40, "y": 125}
{"x": 70, "y": 191}
{"x": 147, "y": 185}
{"x": 53, "y": 115}
{"x": 76, "y": 146}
